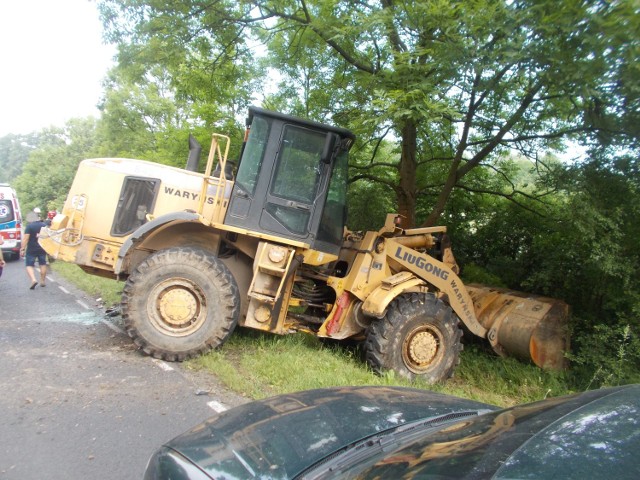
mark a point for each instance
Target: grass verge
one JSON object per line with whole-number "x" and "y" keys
{"x": 106, "y": 289}
{"x": 258, "y": 365}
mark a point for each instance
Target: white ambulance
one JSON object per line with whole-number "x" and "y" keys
{"x": 10, "y": 222}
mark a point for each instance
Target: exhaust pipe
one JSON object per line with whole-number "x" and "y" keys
{"x": 528, "y": 327}
{"x": 194, "y": 154}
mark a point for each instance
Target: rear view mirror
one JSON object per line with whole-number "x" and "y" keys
{"x": 329, "y": 146}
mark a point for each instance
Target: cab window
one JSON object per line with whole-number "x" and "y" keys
{"x": 296, "y": 178}
{"x": 252, "y": 156}
{"x": 137, "y": 198}
{"x": 334, "y": 214}
{"x": 298, "y": 167}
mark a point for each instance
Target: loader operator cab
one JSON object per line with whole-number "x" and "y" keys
{"x": 292, "y": 180}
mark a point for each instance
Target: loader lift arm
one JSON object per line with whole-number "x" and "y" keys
{"x": 526, "y": 326}
{"x": 442, "y": 277}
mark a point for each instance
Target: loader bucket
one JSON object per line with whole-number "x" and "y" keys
{"x": 525, "y": 326}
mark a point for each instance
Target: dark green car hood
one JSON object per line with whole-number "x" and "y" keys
{"x": 281, "y": 436}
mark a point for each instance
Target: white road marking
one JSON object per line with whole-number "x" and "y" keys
{"x": 163, "y": 365}
{"x": 83, "y": 305}
{"x": 63, "y": 289}
{"x": 217, "y": 406}
{"x": 214, "y": 405}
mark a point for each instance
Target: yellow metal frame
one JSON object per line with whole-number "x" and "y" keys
{"x": 215, "y": 152}
{"x": 442, "y": 277}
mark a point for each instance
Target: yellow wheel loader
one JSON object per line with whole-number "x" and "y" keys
{"x": 263, "y": 244}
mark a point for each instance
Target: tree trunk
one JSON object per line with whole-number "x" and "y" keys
{"x": 406, "y": 192}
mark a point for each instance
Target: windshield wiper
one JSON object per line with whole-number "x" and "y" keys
{"x": 380, "y": 442}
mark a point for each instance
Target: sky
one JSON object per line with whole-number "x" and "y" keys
{"x": 52, "y": 62}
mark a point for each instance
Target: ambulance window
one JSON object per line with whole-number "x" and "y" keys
{"x": 137, "y": 198}
{"x": 6, "y": 211}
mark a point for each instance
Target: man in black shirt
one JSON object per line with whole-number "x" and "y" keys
{"x": 32, "y": 251}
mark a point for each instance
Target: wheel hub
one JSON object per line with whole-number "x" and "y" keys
{"x": 177, "y": 306}
{"x": 422, "y": 349}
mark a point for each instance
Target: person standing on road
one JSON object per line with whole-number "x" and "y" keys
{"x": 32, "y": 251}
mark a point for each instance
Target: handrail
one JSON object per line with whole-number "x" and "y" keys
{"x": 215, "y": 152}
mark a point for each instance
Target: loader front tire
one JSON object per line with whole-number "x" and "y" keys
{"x": 419, "y": 338}
{"x": 179, "y": 303}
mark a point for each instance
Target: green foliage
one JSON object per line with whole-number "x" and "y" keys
{"x": 474, "y": 274}
{"x": 14, "y": 153}
{"x": 47, "y": 175}
{"x": 583, "y": 250}
{"x": 368, "y": 203}
{"x": 454, "y": 84}
{"x": 607, "y": 355}
{"x": 181, "y": 69}
{"x": 145, "y": 120}
{"x": 434, "y": 89}
{"x": 135, "y": 119}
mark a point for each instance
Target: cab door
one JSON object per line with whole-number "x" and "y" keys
{"x": 281, "y": 182}
{"x": 297, "y": 184}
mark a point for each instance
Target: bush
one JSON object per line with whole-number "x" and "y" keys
{"x": 606, "y": 355}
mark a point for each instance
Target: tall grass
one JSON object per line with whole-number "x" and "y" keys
{"x": 258, "y": 365}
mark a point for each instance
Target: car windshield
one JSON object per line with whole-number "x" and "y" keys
{"x": 599, "y": 440}
{"x": 559, "y": 438}
{"x": 366, "y": 451}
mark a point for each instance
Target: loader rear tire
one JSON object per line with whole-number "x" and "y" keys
{"x": 179, "y": 303}
{"x": 419, "y": 338}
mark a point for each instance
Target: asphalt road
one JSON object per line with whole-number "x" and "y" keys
{"x": 77, "y": 400}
